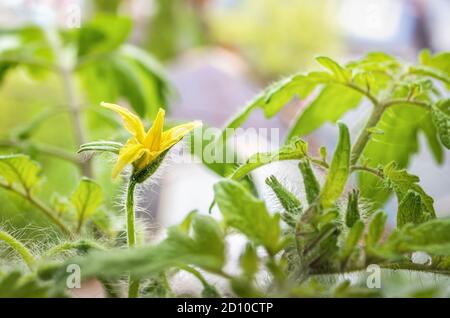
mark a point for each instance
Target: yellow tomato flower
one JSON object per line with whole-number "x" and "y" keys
{"x": 142, "y": 148}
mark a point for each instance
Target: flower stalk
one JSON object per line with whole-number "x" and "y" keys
{"x": 145, "y": 151}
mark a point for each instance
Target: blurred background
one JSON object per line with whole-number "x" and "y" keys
{"x": 216, "y": 54}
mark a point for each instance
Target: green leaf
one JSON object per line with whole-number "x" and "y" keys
{"x": 376, "y": 229}
{"x": 374, "y": 71}
{"x": 329, "y": 106}
{"x": 277, "y": 95}
{"x": 339, "y": 169}
{"x": 249, "y": 215}
{"x": 103, "y": 34}
{"x": 205, "y": 248}
{"x": 410, "y": 209}
{"x": 401, "y": 182}
{"x": 341, "y": 74}
{"x": 439, "y": 62}
{"x": 17, "y": 285}
{"x": 432, "y": 136}
{"x": 157, "y": 87}
{"x": 311, "y": 185}
{"x": 249, "y": 261}
{"x": 100, "y": 81}
{"x": 28, "y": 48}
{"x": 134, "y": 86}
{"x": 291, "y": 205}
{"x": 401, "y": 126}
{"x": 86, "y": 199}
{"x": 431, "y": 237}
{"x": 431, "y": 72}
{"x": 295, "y": 150}
{"x": 110, "y": 69}
{"x": 441, "y": 119}
{"x": 19, "y": 171}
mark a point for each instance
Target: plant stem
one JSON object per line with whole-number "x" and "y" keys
{"x": 44, "y": 149}
{"x": 373, "y": 171}
{"x": 407, "y": 101}
{"x": 365, "y": 134}
{"x": 19, "y": 248}
{"x": 68, "y": 246}
{"x": 41, "y": 206}
{"x": 65, "y": 70}
{"x": 366, "y": 93}
{"x": 69, "y": 88}
{"x": 131, "y": 234}
{"x": 133, "y": 284}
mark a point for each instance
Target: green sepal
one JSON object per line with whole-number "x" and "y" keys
{"x": 312, "y": 186}
{"x": 352, "y": 213}
{"x": 143, "y": 174}
{"x": 291, "y": 205}
{"x": 101, "y": 146}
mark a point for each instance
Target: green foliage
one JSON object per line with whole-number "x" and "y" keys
{"x": 102, "y": 35}
{"x": 401, "y": 182}
{"x": 376, "y": 229}
{"x": 432, "y": 237}
{"x": 439, "y": 65}
{"x": 332, "y": 233}
{"x": 401, "y": 126}
{"x": 441, "y": 119}
{"x": 295, "y": 150}
{"x": 241, "y": 210}
{"x": 19, "y": 171}
{"x": 107, "y": 67}
{"x": 86, "y": 199}
{"x": 249, "y": 261}
{"x": 352, "y": 240}
{"x": 17, "y": 285}
{"x": 330, "y": 105}
{"x": 339, "y": 169}
{"x": 204, "y": 248}
{"x": 409, "y": 209}
{"x": 125, "y": 71}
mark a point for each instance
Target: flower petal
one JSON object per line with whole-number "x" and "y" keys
{"x": 153, "y": 138}
{"x": 173, "y": 135}
{"x": 131, "y": 152}
{"x": 131, "y": 122}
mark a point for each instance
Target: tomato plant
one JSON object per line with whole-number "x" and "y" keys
{"x": 306, "y": 249}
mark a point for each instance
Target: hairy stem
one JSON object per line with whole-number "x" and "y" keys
{"x": 373, "y": 171}
{"x": 131, "y": 234}
{"x": 365, "y": 134}
{"x": 19, "y": 248}
{"x": 133, "y": 284}
{"x": 40, "y": 206}
{"x": 83, "y": 245}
